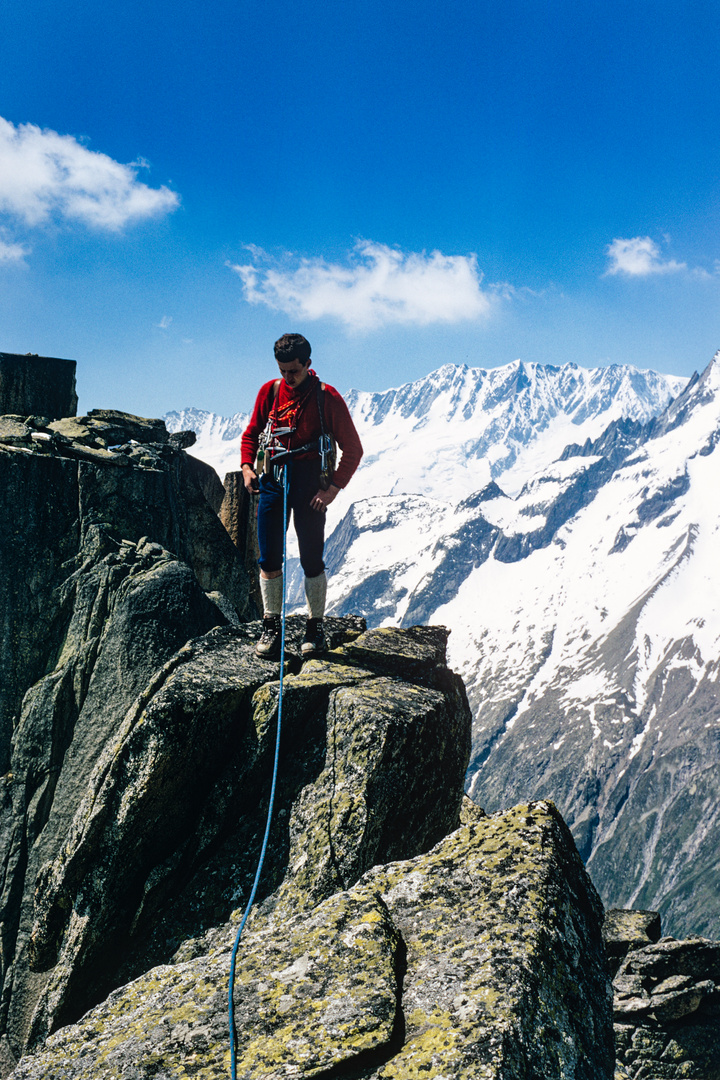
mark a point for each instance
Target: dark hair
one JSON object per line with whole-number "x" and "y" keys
{"x": 292, "y": 347}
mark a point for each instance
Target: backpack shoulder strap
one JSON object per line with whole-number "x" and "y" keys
{"x": 321, "y": 405}
{"x": 273, "y": 397}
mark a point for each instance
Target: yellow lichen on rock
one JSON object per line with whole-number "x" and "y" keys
{"x": 308, "y": 995}
{"x": 388, "y": 942}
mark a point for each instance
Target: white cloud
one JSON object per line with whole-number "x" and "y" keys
{"x": 12, "y": 253}
{"x": 639, "y": 257}
{"x": 44, "y": 175}
{"x": 164, "y": 322}
{"x": 377, "y": 285}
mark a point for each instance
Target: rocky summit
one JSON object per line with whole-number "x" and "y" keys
{"x": 398, "y": 931}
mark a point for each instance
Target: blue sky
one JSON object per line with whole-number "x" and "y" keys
{"x": 407, "y": 184}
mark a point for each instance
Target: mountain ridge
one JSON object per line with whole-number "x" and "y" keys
{"x": 481, "y": 404}
{"x": 580, "y": 587}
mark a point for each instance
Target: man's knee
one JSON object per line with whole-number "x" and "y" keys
{"x": 312, "y": 563}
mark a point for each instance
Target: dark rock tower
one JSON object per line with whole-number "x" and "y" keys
{"x": 37, "y": 385}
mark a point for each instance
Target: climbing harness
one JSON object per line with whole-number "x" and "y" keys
{"x": 272, "y": 454}
{"x": 231, "y": 988}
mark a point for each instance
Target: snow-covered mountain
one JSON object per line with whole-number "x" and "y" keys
{"x": 585, "y": 613}
{"x": 564, "y": 524}
{"x": 447, "y": 435}
{"x": 218, "y": 437}
{"x": 451, "y": 433}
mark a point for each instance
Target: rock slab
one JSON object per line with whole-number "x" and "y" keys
{"x": 480, "y": 959}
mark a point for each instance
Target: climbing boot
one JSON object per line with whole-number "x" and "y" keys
{"x": 314, "y": 641}
{"x": 268, "y": 647}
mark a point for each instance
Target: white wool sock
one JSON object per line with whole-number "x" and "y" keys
{"x": 315, "y": 592}
{"x": 271, "y": 589}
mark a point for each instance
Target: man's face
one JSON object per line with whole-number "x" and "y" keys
{"x": 294, "y": 372}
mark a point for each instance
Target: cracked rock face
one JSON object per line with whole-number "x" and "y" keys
{"x": 667, "y": 1011}
{"x": 153, "y": 826}
{"x": 58, "y": 482}
{"x": 129, "y": 609}
{"x": 111, "y": 561}
{"x": 398, "y": 931}
{"x": 481, "y": 958}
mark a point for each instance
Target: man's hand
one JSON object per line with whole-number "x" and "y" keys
{"x": 322, "y": 499}
{"x": 250, "y": 479}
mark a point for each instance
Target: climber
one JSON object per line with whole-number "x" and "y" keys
{"x": 300, "y": 414}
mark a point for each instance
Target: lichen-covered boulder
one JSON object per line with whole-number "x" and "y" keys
{"x": 312, "y": 993}
{"x": 506, "y": 974}
{"x": 151, "y": 829}
{"x": 479, "y": 959}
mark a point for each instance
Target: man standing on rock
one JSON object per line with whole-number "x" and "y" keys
{"x": 298, "y": 411}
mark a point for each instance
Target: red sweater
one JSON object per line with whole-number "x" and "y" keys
{"x": 298, "y": 408}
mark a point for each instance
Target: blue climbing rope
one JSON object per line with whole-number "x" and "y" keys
{"x": 231, "y": 987}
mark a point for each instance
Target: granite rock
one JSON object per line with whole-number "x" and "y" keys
{"x": 481, "y": 958}
{"x": 146, "y": 828}
{"x": 33, "y": 383}
{"x": 667, "y": 1011}
{"x": 58, "y": 480}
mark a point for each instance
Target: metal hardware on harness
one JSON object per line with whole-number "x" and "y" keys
{"x": 283, "y": 455}
{"x": 328, "y": 452}
{"x": 231, "y": 985}
{"x": 327, "y": 460}
{"x": 268, "y": 448}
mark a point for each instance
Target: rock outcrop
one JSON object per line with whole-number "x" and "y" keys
{"x": 398, "y": 930}
{"x": 149, "y": 830}
{"x": 44, "y": 385}
{"x": 111, "y": 560}
{"x": 480, "y": 958}
{"x": 59, "y": 481}
{"x": 625, "y": 929}
{"x": 666, "y": 1000}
